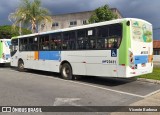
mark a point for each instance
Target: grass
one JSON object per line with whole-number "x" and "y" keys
{"x": 155, "y": 75}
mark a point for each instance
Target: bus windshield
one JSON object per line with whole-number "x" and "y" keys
{"x": 141, "y": 31}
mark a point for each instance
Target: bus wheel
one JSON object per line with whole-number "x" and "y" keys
{"x": 66, "y": 71}
{"x": 20, "y": 66}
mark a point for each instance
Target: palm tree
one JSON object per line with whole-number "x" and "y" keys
{"x": 30, "y": 14}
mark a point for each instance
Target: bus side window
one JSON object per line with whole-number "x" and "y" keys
{"x": 114, "y": 42}
{"x": 23, "y": 44}
{"x": 33, "y": 44}
{"x": 91, "y": 38}
{"x": 119, "y": 38}
{"x": 115, "y": 32}
{"x": 110, "y": 42}
{"x": 102, "y": 37}
{"x": 55, "y": 41}
{"x": 44, "y": 42}
{"x": 81, "y": 42}
{"x": 65, "y": 41}
{"x": 101, "y": 43}
{"x": 72, "y": 41}
{"x": 53, "y": 44}
{"x": 92, "y": 44}
{"x": 69, "y": 39}
{"x": 46, "y": 45}
{"x": 30, "y": 44}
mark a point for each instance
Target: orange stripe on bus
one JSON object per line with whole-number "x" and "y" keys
{"x": 150, "y": 58}
{"x": 36, "y": 55}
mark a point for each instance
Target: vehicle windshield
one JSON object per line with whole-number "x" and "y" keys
{"x": 141, "y": 31}
{"x": 14, "y": 46}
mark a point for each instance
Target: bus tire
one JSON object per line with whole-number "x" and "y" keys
{"x": 66, "y": 71}
{"x": 20, "y": 66}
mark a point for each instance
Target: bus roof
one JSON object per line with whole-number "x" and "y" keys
{"x": 82, "y": 27}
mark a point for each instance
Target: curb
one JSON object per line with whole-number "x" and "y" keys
{"x": 149, "y": 80}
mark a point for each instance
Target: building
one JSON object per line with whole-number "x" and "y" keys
{"x": 156, "y": 50}
{"x": 156, "y": 47}
{"x": 70, "y": 20}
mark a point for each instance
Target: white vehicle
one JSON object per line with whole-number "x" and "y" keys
{"x": 118, "y": 48}
{"x": 4, "y": 51}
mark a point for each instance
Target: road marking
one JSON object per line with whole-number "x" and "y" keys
{"x": 62, "y": 101}
{"x": 108, "y": 89}
{"x": 152, "y": 93}
{"x": 98, "y": 87}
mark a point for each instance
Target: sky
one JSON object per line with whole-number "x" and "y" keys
{"x": 148, "y": 10}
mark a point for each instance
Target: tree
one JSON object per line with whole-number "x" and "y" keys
{"x": 7, "y": 31}
{"x": 30, "y": 14}
{"x": 102, "y": 14}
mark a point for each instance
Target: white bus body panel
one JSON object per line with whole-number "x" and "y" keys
{"x": 140, "y": 47}
{"x": 77, "y": 61}
{"x": 91, "y": 62}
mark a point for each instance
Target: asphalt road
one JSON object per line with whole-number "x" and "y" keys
{"x": 39, "y": 88}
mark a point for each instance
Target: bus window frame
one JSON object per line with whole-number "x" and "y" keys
{"x": 95, "y": 37}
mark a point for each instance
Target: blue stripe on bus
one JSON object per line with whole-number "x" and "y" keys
{"x": 140, "y": 59}
{"x": 50, "y": 55}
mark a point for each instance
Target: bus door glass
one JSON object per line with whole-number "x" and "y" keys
{"x": 14, "y": 46}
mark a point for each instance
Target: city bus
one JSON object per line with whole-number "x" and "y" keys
{"x": 4, "y": 51}
{"x": 117, "y": 48}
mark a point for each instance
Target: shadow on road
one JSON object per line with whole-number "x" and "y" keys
{"x": 109, "y": 81}
{"x": 5, "y": 65}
